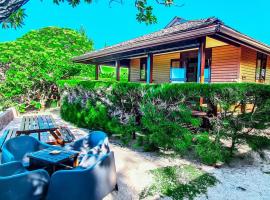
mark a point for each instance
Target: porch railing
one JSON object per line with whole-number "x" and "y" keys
{"x": 178, "y": 75}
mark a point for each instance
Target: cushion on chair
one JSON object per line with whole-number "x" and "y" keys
{"x": 94, "y": 155}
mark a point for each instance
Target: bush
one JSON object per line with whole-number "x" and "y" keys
{"x": 162, "y": 114}
{"x": 208, "y": 151}
{"x": 165, "y": 128}
{"x": 257, "y": 142}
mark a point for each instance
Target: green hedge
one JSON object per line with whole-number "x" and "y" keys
{"x": 162, "y": 113}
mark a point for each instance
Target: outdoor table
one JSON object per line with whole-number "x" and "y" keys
{"x": 39, "y": 124}
{"x": 45, "y": 158}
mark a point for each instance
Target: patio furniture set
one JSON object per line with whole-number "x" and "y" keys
{"x": 30, "y": 169}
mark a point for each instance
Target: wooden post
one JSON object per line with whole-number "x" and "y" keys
{"x": 149, "y": 68}
{"x": 97, "y": 72}
{"x": 202, "y": 58}
{"x": 201, "y": 64}
{"x": 129, "y": 73}
{"x": 117, "y": 65}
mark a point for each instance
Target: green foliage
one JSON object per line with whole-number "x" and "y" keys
{"x": 162, "y": 114}
{"x": 208, "y": 151}
{"x": 257, "y": 142}
{"x": 235, "y": 119}
{"x": 15, "y": 20}
{"x": 109, "y": 73}
{"x": 166, "y": 128}
{"x": 145, "y": 13}
{"x": 36, "y": 61}
{"x": 179, "y": 182}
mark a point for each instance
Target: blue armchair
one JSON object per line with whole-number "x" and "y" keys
{"x": 93, "y": 139}
{"x": 16, "y": 183}
{"x": 15, "y": 149}
{"x": 94, "y": 182}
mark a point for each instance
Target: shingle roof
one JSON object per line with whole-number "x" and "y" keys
{"x": 189, "y": 25}
{"x": 192, "y": 28}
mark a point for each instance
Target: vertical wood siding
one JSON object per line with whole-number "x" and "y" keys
{"x": 267, "y": 78}
{"x": 248, "y": 65}
{"x": 161, "y": 67}
{"x": 225, "y": 64}
{"x": 135, "y": 70}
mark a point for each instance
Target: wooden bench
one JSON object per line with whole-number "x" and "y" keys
{"x": 7, "y": 134}
{"x": 66, "y": 135}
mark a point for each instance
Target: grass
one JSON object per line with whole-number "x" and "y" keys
{"x": 179, "y": 182}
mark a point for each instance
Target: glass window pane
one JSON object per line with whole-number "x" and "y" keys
{"x": 143, "y": 69}
{"x": 175, "y": 63}
{"x": 258, "y": 69}
{"x": 261, "y": 66}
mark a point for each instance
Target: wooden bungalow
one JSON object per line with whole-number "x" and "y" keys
{"x": 204, "y": 50}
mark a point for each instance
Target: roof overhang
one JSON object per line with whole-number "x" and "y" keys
{"x": 146, "y": 45}
{"x": 235, "y": 36}
{"x": 171, "y": 42}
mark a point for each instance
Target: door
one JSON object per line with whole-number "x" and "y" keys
{"x": 192, "y": 70}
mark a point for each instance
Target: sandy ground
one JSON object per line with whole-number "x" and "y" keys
{"x": 247, "y": 178}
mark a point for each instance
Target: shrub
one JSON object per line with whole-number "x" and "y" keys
{"x": 162, "y": 114}
{"x": 208, "y": 151}
{"x": 167, "y": 128}
{"x": 257, "y": 142}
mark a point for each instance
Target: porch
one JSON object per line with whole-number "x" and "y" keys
{"x": 188, "y": 61}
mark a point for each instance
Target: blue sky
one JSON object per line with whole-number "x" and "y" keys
{"x": 109, "y": 25}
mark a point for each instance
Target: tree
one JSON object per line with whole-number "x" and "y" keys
{"x": 12, "y": 15}
{"x": 32, "y": 64}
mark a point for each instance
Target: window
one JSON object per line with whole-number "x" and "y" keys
{"x": 178, "y": 70}
{"x": 178, "y": 63}
{"x": 208, "y": 58}
{"x": 175, "y": 63}
{"x": 261, "y": 67}
{"x": 143, "y": 69}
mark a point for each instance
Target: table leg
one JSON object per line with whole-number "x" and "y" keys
{"x": 53, "y": 169}
{"x": 58, "y": 140}
{"x": 17, "y": 134}
{"x": 75, "y": 161}
{"x": 30, "y": 163}
{"x": 39, "y": 138}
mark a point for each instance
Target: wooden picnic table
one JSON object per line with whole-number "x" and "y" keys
{"x": 40, "y": 124}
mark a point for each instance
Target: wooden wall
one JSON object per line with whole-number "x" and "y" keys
{"x": 248, "y": 64}
{"x": 225, "y": 64}
{"x": 229, "y": 64}
{"x": 267, "y": 78}
{"x": 135, "y": 70}
{"x": 161, "y": 67}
